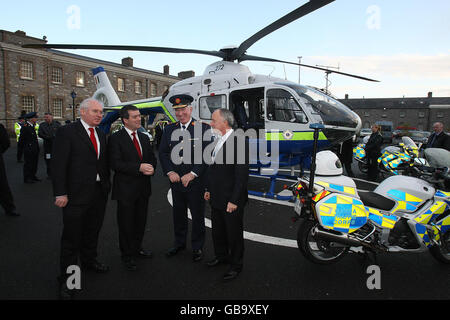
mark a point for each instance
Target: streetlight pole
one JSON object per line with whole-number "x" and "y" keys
{"x": 73, "y": 94}
{"x": 299, "y": 62}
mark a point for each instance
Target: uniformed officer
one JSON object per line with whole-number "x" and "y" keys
{"x": 29, "y": 142}
{"x": 186, "y": 178}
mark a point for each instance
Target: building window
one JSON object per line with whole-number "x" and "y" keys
{"x": 121, "y": 84}
{"x": 27, "y": 104}
{"x": 440, "y": 114}
{"x": 152, "y": 89}
{"x": 80, "y": 81}
{"x": 138, "y": 87}
{"x": 421, "y": 114}
{"x": 402, "y": 114}
{"x": 58, "y": 108}
{"x": 57, "y": 75}
{"x": 26, "y": 70}
{"x": 366, "y": 114}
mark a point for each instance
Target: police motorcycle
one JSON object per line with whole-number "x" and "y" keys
{"x": 403, "y": 214}
{"x": 394, "y": 160}
{"x": 401, "y": 159}
{"x": 359, "y": 154}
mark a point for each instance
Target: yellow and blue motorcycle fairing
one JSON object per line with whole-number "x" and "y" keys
{"x": 429, "y": 226}
{"x": 341, "y": 213}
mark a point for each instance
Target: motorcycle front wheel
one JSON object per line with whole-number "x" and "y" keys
{"x": 442, "y": 252}
{"x": 315, "y": 250}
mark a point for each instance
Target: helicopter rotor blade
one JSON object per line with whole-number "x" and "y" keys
{"x": 305, "y": 9}
{"x": 125, "y": 48}
{"x": 255, "y": 58}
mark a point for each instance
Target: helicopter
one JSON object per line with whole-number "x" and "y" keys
{"x": 280, "y": 111}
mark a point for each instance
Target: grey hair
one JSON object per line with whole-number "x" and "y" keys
{"x": 85, "y": 104}
{"x": 227, "y": 115}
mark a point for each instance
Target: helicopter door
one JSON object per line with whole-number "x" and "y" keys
{"x": 284, "y": 113}
{"x": 248, "y": 108}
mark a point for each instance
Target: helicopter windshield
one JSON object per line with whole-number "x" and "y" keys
{"x": 330, "y": 110}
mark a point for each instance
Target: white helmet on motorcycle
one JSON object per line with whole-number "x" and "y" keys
{"x": 328, "y": 164}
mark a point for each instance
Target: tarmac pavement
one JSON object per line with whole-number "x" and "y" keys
{"x": 29, "y": 256}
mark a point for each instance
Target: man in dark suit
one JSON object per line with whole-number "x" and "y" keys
{"x": 439, "y": 139}
{"x": 29, "y": 143}
{"x": 133, "y": 161}
{"x": 80, "y": 172}
{"x": 6, "y": 197}
{"x": 227, "y": 193}
{"x": 185, "y": 169}
{"x": 47, "y": 131}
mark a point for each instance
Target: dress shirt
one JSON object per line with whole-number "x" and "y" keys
{"x": 220, "y": 143}
{"x": 87, "y": 127}
{"x": 131, "y": 137}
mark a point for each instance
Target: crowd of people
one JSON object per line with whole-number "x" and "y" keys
{"x": 80, "y": 159}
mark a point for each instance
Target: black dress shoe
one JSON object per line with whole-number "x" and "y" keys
{"x": 197, "y": 255}
{"x": 29, "y": 181}
{"x": 12, "y": 214}
{"x": 96, "y": 266}
{"x": 130, "y": 264}
{"x": 36, "y": 179}
{"x": 231, "y": 274}
{"x": 145, "y": 254}
{"x": 173, "y": 251}
{"x": 215, "y": 262}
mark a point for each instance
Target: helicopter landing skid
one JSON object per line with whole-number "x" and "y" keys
{"x": 284, "y": 196}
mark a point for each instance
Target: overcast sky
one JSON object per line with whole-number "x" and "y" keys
{"x": 403, "y": 43}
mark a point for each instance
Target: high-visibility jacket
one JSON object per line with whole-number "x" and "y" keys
{"x": 17, "y": 127}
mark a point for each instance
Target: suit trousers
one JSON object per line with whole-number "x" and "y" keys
{"x": 131, "y": 219}
{"x": 30, "y": 166}
{"x": 228, "y": 236}
{"x": 193, "y": 200}
{"x": 82, "y": 225}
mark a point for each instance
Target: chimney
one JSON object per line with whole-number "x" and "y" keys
{"x": 430, "y": 94}
{"x": 186, "y": 74}
{"x": 166, "y": 70}
{"x": 127, "y": 62}
{"x": 346, "y": 96}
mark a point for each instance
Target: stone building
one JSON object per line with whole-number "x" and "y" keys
{"x": 419, "y": 113}
{"x": 42, "y": 79}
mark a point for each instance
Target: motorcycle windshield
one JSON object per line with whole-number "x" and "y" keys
{"x": 438, "y": 157}
{"x": 408, "y": 142}
{"x": 332, "y": 112}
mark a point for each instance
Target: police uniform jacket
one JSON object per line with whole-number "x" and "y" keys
{"x": 187, "y": 165}
{"x": 28, "y": 138}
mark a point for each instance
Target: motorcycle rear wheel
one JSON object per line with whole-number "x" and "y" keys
{"x": 317, "y": 251}
{"x": 442, "y": 252}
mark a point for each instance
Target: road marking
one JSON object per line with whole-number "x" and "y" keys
{"x": 249, "y": 235}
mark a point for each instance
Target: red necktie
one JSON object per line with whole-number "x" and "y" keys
{"x": 94, "y": 141}
{"x": 136, "y": 145}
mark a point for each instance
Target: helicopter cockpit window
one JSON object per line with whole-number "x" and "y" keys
{"x": 210, "y": 104}
{"x": 331, "y": 111}
{"x": 282, "y": 106}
